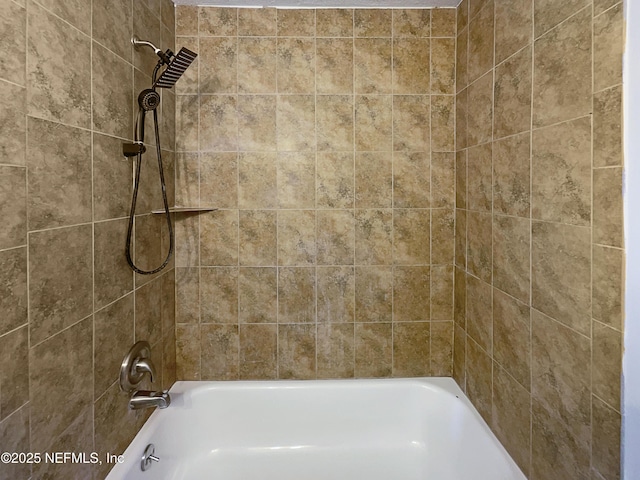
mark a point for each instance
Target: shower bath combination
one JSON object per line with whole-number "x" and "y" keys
{"x": 148, "y": 101}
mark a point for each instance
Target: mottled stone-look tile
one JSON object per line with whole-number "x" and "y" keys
{"x": 443, "y": 22}
{"x": 334, "y": 122}
{"x": 218, "y": 59}
{"x": 561, "y": 373}
{"x": 461, "y": 179}
{"x": 257, "y": 295}
{"x": 257, "y": 123}
{"x": 186, "y": 20}
{"x": 336, "y": 293}
{"x": 297, "y": 237}
{"x": 513, "y": 27}
{"x": 411, "y": 66}
{"x": 13, "y": 289}
{"x": 373, "y": 123}
{"x": 296, "y": 295}
{"x": 372, "y": 23}
{"x": 479, "y": 177}
{"x": 442, "y": 236}
{"x": 15, "y": 438}
{"x": 256, "y": 65}
{"x": 60, "y": 285}
{"x": 188, "y": 352}
{"x": 13, "y": 206}
{"x": 149, "y": 312}
{"x": 441, "y": 349}
{"x": 481, "y": 39}
{"x": 562, "y": 71}
{"x": 111, "y": 177}
{"x": 411, "y": 22}
{"x": 219, "y": 347}
{"x": 296, "y": 123}
{"x": 607, "y": 206}
{"x": 257, "y": 180}
{"x": 475, "y": 6}
{"x": 296, "y": 180}
{"x": 257, "y": 237}
{"x": 335, "y": 237}
{"x": 219, "y": 295}
{"x": 296, "y": 23}
{"x": 373, "y": 180}
{"x": 296, "y": 351}
{"x": 479, "y": 378}
{"x": 334, "y": 22}
{"x": 512, "y": 417}
{"x": 511, "y": 253}
{"x": 608, "y": 279}
{"x": 459, "y": 357}
{"x": 146, "y": 25}
{"x": 442, "y": 292}
{"x": 443, "y": 65}
{"x": 605, "y": 439}
{"x": 334, "y": 65}
{"x": 462, "y": 54}
{"x": 187, "y": 114}
{"x": 335, "y": 349}
{"x": 442, "y": 123}
{"x": 296, "y": 64}
{"x": 257, "y": 21}
{"x": 14, "y": 379}
{"x": 374, "y": 350}
{"x": 258, "y": 352}
{"x": 443, "y": 178}
{"x": 561, "y": 176}
{"x": 372, "y": 65}
{"x": 113, "y": 329}
{"x": 462, "y": 14}
{"x": 511, "y": 175}
{"x": 112, "y": 275}
{"x": 374, "y": 293}
{"x": 480, "y": 111}
{"x": 548, "y": 14}
{"x": 461, "y": 238}
{"x": 54, "y": 93}
{"x": 219, "y": 238}
{"x": 218, "y": 123}
{"x": 511, "y": 337}
{"x": 607, "y": 128}
{"x": 479, "y": 244}
{"x": 607, "y": 363}
{"x": 411, "y": 236}
{"x": 187, "y": 295}
{"x": 59, "y": 369}
{"x": 556, "y": 452}
{"x": 188, "y": 240}
{"x": 411, "y": 120}
{"x": 411, "y": 294}
{"x": 561, "y": 273}
{"x": 374, "y": 232}
{"x": 411, "y": 349}
{"x": 335, "y": 180}
{"x": 13, "y": 29}
{"x": 219, "y": 179}
{"x": 411, "y": 179}
{"x": 512, "y": 95}
{"x": 147, "y": 242}
{"x": 460, "y": 297}
{"x": 13, "y": 124}
{"x": 479, "y": 312}
{"x": 221, "y": 21}
{"x": 59, "y": 183}
{"x": 76, "y": 12}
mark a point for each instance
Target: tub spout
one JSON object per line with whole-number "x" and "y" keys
{"x": 148, "y": 399}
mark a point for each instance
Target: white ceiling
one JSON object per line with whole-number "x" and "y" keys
{"x": 323, "y": 3}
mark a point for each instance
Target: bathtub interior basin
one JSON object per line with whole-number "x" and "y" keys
{"x": 400, "y": 429}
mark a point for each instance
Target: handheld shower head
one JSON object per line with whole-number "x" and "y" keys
{"x": 148, "y": 99}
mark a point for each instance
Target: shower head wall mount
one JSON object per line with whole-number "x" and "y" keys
{"x": 164, "y": 56}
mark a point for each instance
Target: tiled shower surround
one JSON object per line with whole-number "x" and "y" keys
{"x": 539, "y": 240}
{"x": 70, "y": 307}
{"x": 326, "y": 139}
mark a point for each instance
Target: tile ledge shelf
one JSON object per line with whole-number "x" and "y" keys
{"x": 177, "y": 209}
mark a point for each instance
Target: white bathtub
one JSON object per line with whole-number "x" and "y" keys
{"x": 391, "y": 429}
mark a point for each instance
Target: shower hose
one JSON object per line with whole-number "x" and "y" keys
{"x": 139, "y": 139}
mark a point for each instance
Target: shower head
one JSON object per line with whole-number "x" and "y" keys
{"x": 148, "y": 99}
{"x": 176, "y": 68}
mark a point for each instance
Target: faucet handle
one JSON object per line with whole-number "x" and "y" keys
{"x": 134, "y": 365}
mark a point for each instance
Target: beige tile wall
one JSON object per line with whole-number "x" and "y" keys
{"x": 326, "y": 139}
{"x": 539, "y": 252}
{"x": 70, "y": 307}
